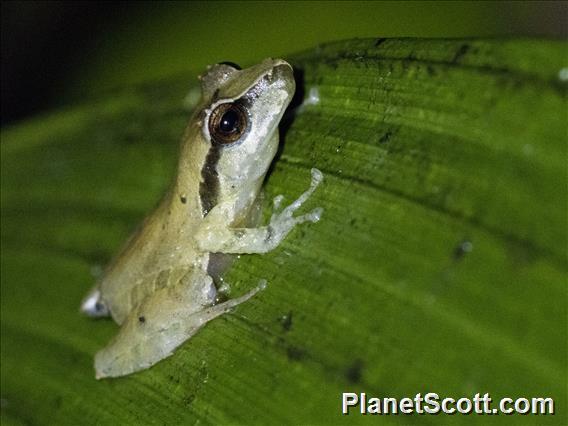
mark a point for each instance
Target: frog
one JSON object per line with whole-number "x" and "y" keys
{"x": 161, "y": 288}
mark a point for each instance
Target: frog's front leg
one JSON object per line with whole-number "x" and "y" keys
{"x": 162, "y": 322}
{"x": 214, "y": 238}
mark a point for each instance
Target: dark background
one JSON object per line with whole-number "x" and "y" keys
{"x": 59, "y": 51}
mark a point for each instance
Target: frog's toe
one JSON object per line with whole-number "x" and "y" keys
{"x": 313, "y": 216}
{"x": 317, "y": 177}
{"x": 277, "y": 202}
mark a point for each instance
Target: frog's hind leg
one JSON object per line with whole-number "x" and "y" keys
{"x": 161, "y": 323}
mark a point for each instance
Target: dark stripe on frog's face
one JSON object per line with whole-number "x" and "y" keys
{"x": 209, "y": 186}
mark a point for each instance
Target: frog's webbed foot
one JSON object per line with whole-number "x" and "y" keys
{"x": 284, "y": 220}
{"x": 160, "y": 324}
{"x": 217, "y": 239}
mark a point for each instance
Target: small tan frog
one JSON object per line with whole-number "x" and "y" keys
{"x": 159, "y": 288}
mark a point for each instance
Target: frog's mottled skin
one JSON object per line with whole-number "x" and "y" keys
{"x": 158, "y": 288}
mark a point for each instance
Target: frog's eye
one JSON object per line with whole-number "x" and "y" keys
{"x": 227, "y": 123}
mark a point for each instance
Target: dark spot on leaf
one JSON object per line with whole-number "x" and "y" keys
{"x": 189, "y": 399}
{"x": 464, "y": 48}
{"x": 386, "y": 137}
{"x": 286, "y": 321}
{"x": 354, "y": 371}
{"x": 58, "y": 402}
{"x": 462, "y": 249}
{"x": 174, "y": 379}
{"x": 521, "y": 253}
{"x": 295, "y": 353}
{"x": 517, "y": 83}
{"x": 380, "y": 41}
{"x": 431, "y": 70}
{"x": 142, "y": 319}
{"x": 183, "y": 199}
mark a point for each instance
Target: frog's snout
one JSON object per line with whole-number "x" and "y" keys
{"x": 281, "y": 71}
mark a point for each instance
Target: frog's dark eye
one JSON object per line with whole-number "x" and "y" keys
{"x": 227, "y": 123}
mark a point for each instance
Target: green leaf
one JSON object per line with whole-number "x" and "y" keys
{"x": 439, "y": 264}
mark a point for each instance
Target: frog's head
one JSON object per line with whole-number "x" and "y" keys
{"x": 240, "y": 120}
